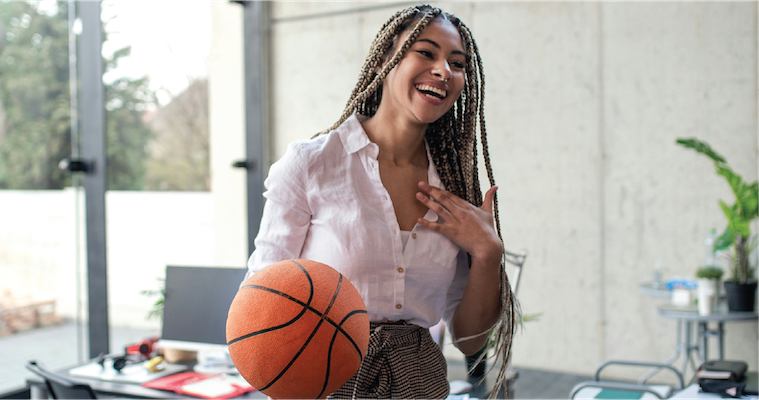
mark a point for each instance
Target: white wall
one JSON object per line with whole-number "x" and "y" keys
{"x": 584, "y": 102}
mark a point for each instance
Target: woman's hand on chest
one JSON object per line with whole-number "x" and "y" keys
{"x": 470, "y": 227}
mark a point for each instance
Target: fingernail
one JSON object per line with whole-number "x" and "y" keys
{"x": 419, "y": 196}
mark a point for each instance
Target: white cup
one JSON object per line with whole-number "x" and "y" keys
{"x": 705, "y": 304}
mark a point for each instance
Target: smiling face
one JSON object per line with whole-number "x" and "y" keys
{"x": 428, "y": 80}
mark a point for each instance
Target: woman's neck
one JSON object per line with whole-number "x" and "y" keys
{"x": 400, "y": 142}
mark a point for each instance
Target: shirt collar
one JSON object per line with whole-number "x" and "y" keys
{"x": 352, "y": 134}
{"x": 354, "y": 138}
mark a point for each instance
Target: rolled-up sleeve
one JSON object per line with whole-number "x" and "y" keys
{"x": 286, "y": 216}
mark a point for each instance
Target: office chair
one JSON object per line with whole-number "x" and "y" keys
{"x": 599, "y": 389}
{"x": 59, "y": 387}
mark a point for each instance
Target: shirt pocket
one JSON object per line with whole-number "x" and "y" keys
{"x": 442, "y": 250}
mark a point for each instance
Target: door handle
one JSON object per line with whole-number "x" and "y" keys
{"x": 244, "y": 164}
{"x": 75, "y": 165}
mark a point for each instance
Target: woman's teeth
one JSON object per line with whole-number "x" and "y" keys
{"x": 431, "y": 92}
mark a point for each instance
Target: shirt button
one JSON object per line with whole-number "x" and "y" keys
{"x": 398, "y": 306}
{"x": 400, "y": 270}
{"x": 413, "y": 235}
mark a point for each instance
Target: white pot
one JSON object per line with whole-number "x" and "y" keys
{"x": 707, "y": 295}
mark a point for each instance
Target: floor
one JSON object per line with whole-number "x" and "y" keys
{"x": 54, "y": 347}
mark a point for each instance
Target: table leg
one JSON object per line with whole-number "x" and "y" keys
{"x": 38, "y": 392}
{"x": 721, "y": 340}
{"x": 687, "y": 347}
{"x": 703, "y": 350}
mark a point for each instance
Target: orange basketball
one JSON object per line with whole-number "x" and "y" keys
{"x": 297, "y": 329}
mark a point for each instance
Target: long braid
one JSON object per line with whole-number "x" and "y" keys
{"x": 452, "y": 139}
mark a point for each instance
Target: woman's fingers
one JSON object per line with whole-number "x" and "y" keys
{"x": 437, "y": 208}
{"x": 467, "y": 225}
{"x": 487, "y": 203}
{"x": 446, "y": 199}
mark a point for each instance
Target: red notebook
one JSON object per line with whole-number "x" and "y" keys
{"x": 202, "y": 385}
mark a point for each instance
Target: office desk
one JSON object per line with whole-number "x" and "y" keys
{"x": 686, "y": 316}
{"x": 117, "y": 389}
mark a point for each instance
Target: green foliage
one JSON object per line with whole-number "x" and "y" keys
{"x": 34, "y": 98}
{"x": 35, "y": 117}
{"x": 739, "y": 215}
{"x": 701, "y": 147}
{"x": 709, "y": 272}
{"x": 157, "y": 311}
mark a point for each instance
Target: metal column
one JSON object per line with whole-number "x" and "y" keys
{"x": 92, "y": 113}
{"x": 255, "y": 19}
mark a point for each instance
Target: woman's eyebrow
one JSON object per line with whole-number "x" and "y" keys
{"x": 432, "y": 42}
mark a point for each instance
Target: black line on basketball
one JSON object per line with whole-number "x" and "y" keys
{"x": 332, "y": 344}
{"x": 329, "y": 363}
{"x": 313, "y": 333}
{"x": 347, "y": 336}
{"x": 306, "y": 306}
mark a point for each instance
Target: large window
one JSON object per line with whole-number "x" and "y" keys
{"x": 157, "y": 95}
{"x": 164, "y": 204}
{"x": 41, "y": 266}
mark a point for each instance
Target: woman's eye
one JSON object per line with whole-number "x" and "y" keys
{"x": 425, "y": 53}
{"x": 458, "y": 64}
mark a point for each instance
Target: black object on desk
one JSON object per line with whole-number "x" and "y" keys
{"x": 745, "y": 385}
{"x": 722, "y": 369}
{"x": 105, "y": 388}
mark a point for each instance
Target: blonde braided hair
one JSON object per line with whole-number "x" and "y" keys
{"x": 452, "y": 138}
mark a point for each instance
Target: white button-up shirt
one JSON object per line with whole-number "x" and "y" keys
{"x": 326, "y": 202}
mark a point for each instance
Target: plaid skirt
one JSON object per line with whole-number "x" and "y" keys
{"x": 403, "y": 362}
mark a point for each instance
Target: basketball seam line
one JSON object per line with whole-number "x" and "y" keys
{"x": 308, "y": 308}
{"x": 313, "y": 332}
{"x": 292, "y": 321}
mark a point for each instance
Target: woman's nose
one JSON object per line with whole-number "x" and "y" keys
{"x": 442, "y": 70}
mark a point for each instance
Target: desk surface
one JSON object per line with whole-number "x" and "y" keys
{"x": 690, "y": 313}
{"x": 693, "y": 391}
{"x": 134, "y": 390}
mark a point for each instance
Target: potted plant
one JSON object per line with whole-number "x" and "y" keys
{"x": 740, "y": 288}
{"x": 170, "y": 355}
{"x": 708, "y": 281}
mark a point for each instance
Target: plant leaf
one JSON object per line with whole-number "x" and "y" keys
{"x": 701, "y": 147}
{"x": 736, "y": 221}
{"x": 745, "y": 195}
{"x": 724, "y": 240}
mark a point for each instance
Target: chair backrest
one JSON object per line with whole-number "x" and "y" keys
{"x": 517, "y": 260}
{"x": 59, "y": 387}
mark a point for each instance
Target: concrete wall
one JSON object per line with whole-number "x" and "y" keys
{"x": 584, "y": 102}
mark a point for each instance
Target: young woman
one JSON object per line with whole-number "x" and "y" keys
{"x": 390, "y": 197}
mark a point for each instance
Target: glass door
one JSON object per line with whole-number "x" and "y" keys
{"x": 174, "y": 127}
{"x": 41, "y": 217}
